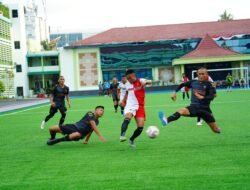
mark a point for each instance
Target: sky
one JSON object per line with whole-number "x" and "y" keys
{"x": 100, "y": 15}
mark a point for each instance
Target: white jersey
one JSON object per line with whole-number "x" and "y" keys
{"x": 136, "y": 93}
{"x": 123, "y": 90}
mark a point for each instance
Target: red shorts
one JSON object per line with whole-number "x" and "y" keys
{"x": 140, "y": 113}
{"x": 186, "y": 89}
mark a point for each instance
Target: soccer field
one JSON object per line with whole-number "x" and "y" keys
{"x": 184, "y": 156}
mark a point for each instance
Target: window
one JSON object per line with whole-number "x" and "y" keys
{"x": 18, "y": 68}
{"x": 17, "y": 45}
{"x": 14, "y": 13}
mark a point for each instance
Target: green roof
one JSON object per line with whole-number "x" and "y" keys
{"x": 42, "y": 54}
{"x": 44, "y": 73}
{"x": 212, "y": 59}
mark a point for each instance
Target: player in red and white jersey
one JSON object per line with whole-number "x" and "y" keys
{"x": 134, "y": 101}
{"x": 184, "y": 90}
{"x": 121, "y": 91}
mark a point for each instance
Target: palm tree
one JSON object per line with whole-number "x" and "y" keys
{"x": 226, "y": 16}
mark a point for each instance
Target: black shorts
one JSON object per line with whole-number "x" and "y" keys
{"x": 204, "y": 112}
{"x": 115, "y": 97}
{"x": 71, "y": 128}
{"x": 68, "y": 129}
{"x": 61, "y": 108}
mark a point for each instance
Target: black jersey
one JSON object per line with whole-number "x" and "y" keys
{"x": 59, "y": 94}
{"x": 204, "y": 88}
{"x": 114, "y": 88}
{"x": 84, "y": 126}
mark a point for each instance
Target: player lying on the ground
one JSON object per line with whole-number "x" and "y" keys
{"x": 57, "y": 100}
{"x": 202, "y": 95}
{"x": 134, "y": 101}
{"x": 79, "y": 130}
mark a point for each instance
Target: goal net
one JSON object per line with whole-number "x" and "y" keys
{"x": 240, "y": 76}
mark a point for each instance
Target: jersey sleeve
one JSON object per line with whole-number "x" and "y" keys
{"x": 210, "y": 92}
{"x": 67, "y": 91}
{"x": 185, "y": 84}
{"x": 90, "y": 116}
{"x": 53, "y": 92}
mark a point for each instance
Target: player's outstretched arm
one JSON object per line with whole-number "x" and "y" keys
{"x": 93, "y": 125}
{"x": 67, "y": 98}
{"x": 173, "y": 97}
{"x": 51, "y": 100}
{"x": 86, "y": 141}
{"x": 123, "y": 102}
{"x": 145, "y": 82}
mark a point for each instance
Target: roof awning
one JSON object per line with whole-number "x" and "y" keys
{"x": 42, "y": 54}
{"x": 212, "y": 59}
{"x": 44, "y": 73}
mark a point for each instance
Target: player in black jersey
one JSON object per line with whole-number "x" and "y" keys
{"x": 202, "y": 95}
{"x": 57, "y": 100}
{"x": 113, "y": 89}
{"x": 78, "y": 130}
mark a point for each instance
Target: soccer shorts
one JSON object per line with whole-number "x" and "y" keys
{"x": 61, "y": 108}
{"x": 68, "y": 129}
{"x": 115, "y": 97}
{"x": 204, "y": 112}
{"x": 137, "y": 111}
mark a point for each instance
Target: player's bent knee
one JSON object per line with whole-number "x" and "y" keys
{"x": 184, "y": 112}
{"x": 75, "y": 136}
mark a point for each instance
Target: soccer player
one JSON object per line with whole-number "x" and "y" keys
{"x": 100, "y": 87}
{"x": 202, "y": 95}
{"x": 121, "y": 91}
{"x": 79, "y": 130}
{"x": 199, "y": 120}
{"x": 184, "y": 89}
{"x": 57, "y": 100}
{"x": 134, "y": 101}
{"x": 113, "y": 90}
{"x": 229, "y": 81}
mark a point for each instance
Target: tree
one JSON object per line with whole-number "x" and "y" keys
{"x": 226, "y": 16}
{"x": 2, "y": 87}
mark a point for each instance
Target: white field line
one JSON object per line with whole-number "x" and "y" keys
{"x": 28, "y": 109}
{"x": 111, "y": 108}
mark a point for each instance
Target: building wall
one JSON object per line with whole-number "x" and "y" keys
{"x": 83, "y": 65}
{"x": 6, "y": 62}
{"x": 19, "y": 55}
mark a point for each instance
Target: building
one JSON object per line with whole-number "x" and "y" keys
{"x": 6, "y": 59}
{"x": 160, "y": 52}
{"x": 66, "y": 38}
{"x": 35, "y": 69}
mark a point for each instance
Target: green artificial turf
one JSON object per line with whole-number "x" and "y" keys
{"x": 184, "y": 156}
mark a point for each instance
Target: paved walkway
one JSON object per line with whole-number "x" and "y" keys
{"x": 9, "y": 105}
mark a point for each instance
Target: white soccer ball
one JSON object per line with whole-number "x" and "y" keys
{"x": 152, "y": 132}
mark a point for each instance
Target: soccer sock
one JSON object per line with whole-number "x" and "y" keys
{"x": 65, "y": 138}
{"x": 124, "y": 126}
{"x": 187, "y": 95}
{"x": 174, "y": 117}
{"x": 115, "y": 106}
{"x": 52, "y": 135}
{"x": 183, "y": 95}
{"x": 122, "y": 110}
{"x": 198, "y": 119}
{"x": 137, "y": 133}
